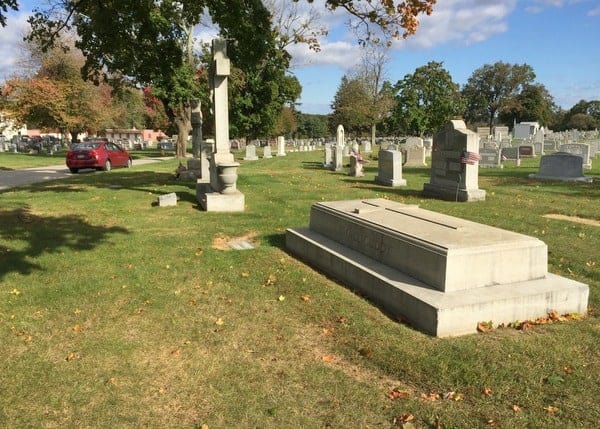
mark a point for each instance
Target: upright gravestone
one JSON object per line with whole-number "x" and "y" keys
{"x": 337, "y": 162}
{"x": 561, "y": 166}
{"x": 579, "y": 149}
{"x": 389, "y": 168}
{"x": 221, "y": 193}
{"x": 510, "y": 154}
{"x": 454, "y": 169}
{"x": 415, "y": 156}
{"x": 490, "y": 158}
{"x": 250, "y": 153}
{"x": 367, "y": 146}
{"x": 280, "y": 146}
{"x": 340, "y": 136}
{"x": 267, "y": 152}
{"x": 328, "y": 157}
{"x": 413, "y": 141}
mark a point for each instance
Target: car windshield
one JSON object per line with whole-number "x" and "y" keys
{"x": 86, "y": 146}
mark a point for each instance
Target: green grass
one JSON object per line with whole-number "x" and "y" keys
{"x": 109, "y": 308}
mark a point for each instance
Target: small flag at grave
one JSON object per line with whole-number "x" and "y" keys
{"x": 469, "y": 157}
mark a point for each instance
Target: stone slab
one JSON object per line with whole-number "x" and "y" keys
{"x": 429, "y": 310}
{"x": 167, "y": 200}
{"x": 216, "y": 202}
{"x": 445, "y": 252}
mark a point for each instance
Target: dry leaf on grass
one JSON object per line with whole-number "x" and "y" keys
{"x": 328, "y": 358}
{"x": 396, "y": 393}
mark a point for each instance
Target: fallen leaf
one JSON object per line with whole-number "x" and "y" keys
{"x": 550, "y": 409}
{"x": 281, "y": 298}
{"x": 398, "y": 394}
{"x": 484, "y": 326}
{"x": 487, "y": 391}
{"x": 403, "y": 418}
{"x": 176, "y": 352}
{"x": 517, "y": 408}
{"x": 430, "y": 396}
{"x": 70, "y": 356}
{"x": 305, "y": 298}
{"x": 219, "y": 321}
{"x": 77, "y": 328}
{"x": 327, "y": 331}
{"x": 568, "y": 370}
{"x": 270, "y": 280}
{"x": 245, "y": 274}
{"x": 77, "y": 312}
{"x": 199, "y": 251}
{"x": 328, "y": 358}
{"x": 15, "y": 292}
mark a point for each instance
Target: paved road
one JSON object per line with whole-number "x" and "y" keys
{"x": 15, "y": 178}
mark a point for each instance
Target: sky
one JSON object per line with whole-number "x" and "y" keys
{"x": 559, "y": 39}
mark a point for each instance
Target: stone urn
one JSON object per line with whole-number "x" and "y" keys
{"x": 227, "y": 176}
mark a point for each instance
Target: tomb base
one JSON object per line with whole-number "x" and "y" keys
{"x": 451, "y": 194}
{"x": 212, "y": 201}
{"x": 357, "y": 260}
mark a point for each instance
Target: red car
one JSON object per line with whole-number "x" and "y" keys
{"x": 98, "y": 154}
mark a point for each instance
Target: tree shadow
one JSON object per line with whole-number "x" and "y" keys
{"x": 45, "y": 235}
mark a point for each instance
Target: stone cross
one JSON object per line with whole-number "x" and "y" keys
{"x": 220, "y": 73}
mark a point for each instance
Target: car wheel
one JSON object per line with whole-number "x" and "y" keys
{"x": 107, "y": 165}
{"x": 129, "y": 163}
{"x": 73, "y": 170}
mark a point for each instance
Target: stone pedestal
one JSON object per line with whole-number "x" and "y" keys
{"x": 442, "y": 274}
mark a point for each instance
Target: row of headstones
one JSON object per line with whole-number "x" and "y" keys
{"x": 494, "y": 157}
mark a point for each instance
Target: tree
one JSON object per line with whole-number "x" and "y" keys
{"x": 372, "y": 72}
{"x": 581, "y": 121}
{"x": 150, "y": 43}
{"x": 351, "y": 106}
{"x": 494, "y": 87}
{"x": 57, "y": 97}
{"x": 425, "y": 101}
{"x": 4, "y": 6}
{"x": 312, "y": 125}
{"x": 533, "y": 103}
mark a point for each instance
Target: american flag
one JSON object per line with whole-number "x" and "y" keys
{"x": 469, "y": 158}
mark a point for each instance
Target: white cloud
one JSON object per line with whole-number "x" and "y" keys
{"x": 11, "y": 43}
{"x": 340, "y": 54}
{"x": 594, "y": 12}
{"x": 462, "y": 22}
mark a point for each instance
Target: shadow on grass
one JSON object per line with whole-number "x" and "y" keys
{"x": 42, "y": 235}
{"x": 134, "y": 181}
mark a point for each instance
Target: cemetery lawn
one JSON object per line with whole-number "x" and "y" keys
{"x": 118, "y": 313}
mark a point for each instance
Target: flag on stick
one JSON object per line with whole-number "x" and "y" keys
{"x": 469, "y": 158}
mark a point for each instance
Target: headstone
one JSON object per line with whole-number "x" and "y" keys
{"x": 337, "y": 162}
{"x": 454, "y": 169}
{"x": 389, "y": 168}
{"x": 526, "y": 151}
{"x": 561, "y": 166}
{"x": 441, "y": 274}
{"x": 280, "y": 146}
{"x": 267, "y": 152}
{"x": 328, "y": 157}
{"x": 250, "y": 153}
{"x": 483, "y": 132}
{"x": 415, "y": 156}
{"x": 413, "y": 142}
{"x": 510, "y": 154}
{"x": 500, "y": 132}
{"x": 490, "y": 158}
{"x": 579, "y": 149}
{"x": 367, "y": 147}
{"x": 221, "y": 194}
{"x": 356, "y": 164}
{"x": 167, "y": 200}
{"x": 340, "y": 137}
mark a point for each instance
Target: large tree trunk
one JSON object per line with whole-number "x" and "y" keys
{"x": 182, "y": 118}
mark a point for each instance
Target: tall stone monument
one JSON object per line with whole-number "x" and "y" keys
{"x": 221, "y": 193}
{"x": 454, "y": 164}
